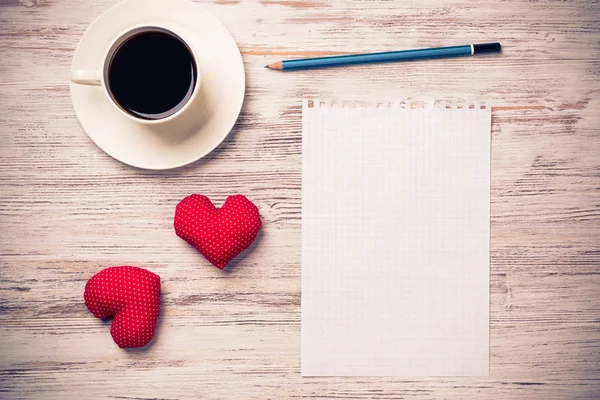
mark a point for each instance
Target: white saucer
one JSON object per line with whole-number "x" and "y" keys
{"x": 222, "y": 88}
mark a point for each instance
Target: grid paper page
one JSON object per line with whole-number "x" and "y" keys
{"x": 395, "y": 240}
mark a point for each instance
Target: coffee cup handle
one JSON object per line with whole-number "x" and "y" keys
{"x": 87, "y": 77}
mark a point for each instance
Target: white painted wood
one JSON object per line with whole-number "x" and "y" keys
{"x": 67, "y": 210}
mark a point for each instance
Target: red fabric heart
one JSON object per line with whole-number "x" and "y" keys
{"x": 219, "y": 234}
{"x": 132, "y": 296}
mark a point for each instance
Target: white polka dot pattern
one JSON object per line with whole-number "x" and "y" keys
{"x": 132, "y": 296}
{"x": 218, "y": 234}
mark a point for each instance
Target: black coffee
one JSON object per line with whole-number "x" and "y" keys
{"x": 152, "y": 75}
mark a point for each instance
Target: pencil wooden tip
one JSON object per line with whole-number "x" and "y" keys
{"x": 278, "y": 66}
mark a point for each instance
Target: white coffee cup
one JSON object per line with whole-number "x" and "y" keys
{"x": 183, "y": 114}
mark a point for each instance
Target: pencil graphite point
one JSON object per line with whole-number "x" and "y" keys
{"x": 277, "y": 66}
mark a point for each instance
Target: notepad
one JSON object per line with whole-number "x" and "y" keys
{"x": 395, "y": 239}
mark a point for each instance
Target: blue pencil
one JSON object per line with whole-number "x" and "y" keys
{"x": 389, "y": 56}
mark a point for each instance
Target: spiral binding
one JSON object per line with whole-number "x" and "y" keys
{"x": 408, "y": 104}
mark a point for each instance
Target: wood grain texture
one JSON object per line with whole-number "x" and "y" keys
{"x": 67, "y": 209}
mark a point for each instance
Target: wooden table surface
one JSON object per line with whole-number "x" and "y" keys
{"x": 68, "y": 210}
